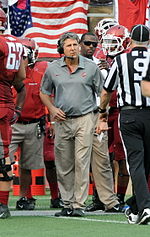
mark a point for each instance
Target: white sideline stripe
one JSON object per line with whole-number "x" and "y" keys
{"x": 51, "y": 214}
{"x": 94, "y": 220}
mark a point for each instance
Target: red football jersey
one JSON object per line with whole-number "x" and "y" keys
{"x": 33, "y": 106}
{"x": 11, "y": 51}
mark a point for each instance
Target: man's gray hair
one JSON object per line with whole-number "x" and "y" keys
{"x": 68, "y": 35}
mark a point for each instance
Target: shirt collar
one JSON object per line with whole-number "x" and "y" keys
{"x": 81, "y": 62}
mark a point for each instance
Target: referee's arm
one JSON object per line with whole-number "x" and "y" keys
{"x": 145, "y": 87}
{"x": 105, "y": 99}
{"x": 109, "y": 86}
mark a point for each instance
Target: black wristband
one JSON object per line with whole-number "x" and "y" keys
{"x": 18, "y": 110}
{"x": 101, "y": 110}
{"x": 20, "y": 88}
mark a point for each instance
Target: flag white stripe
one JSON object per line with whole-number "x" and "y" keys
{"x": 116, "y": 10}
{"x": 11, "y": 2}
{"x": 56, "y": 10}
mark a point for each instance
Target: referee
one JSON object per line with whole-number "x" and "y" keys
{"x": 126, "y": 74}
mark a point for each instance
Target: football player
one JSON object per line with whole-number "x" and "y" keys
{"x": 12, "y": 72}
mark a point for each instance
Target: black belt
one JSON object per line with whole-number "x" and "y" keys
{"x": 77, "y": 116}
{"x": 128, "y": 107}
{"x": 31, "y": 121}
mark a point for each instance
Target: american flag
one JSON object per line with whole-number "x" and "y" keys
{"x": 46, "y": 20}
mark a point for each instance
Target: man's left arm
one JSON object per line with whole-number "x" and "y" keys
{"x": 21, "y": 92}
{"x": 102, "y": 122}
{"x": 109, "y": 85}
{"x": 145, "y": 87}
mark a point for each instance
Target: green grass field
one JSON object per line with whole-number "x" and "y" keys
{"x": 43, "y": 223}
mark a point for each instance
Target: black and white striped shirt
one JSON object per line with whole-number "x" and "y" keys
{"x": 126, "y": 74}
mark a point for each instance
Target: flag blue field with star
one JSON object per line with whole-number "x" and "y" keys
{"x": 20, "y": 19}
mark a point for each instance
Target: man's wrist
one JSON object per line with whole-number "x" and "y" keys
{"x": 18, "y": 110}
{"x": 101, "y": 111}
{"x": 103, "y": 120}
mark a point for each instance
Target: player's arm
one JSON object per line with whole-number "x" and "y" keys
{"x": 145, "y": 86}
{"x": 21, "y": 73}
{"x": 19, "y": 85}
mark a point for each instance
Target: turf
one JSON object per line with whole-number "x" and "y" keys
{"x": 97, "y": 225}
{"x": 68, "y": 227}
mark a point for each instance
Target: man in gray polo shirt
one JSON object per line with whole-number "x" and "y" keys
{"x": 74, "y": 81}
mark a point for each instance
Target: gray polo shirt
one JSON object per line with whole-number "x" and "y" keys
{"x": 74, "y": 93}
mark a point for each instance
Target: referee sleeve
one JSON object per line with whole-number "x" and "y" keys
{"x": 111, "y": 81}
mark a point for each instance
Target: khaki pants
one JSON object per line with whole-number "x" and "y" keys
{"x": 102, "y": 171}
{"x": 73, "y": 144}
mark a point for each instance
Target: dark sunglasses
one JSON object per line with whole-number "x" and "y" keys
{"x": 88, "y": 43}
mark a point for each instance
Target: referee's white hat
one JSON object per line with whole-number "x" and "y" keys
{"x": 140, "y": 33}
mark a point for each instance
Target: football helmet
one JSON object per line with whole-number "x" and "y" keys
{"x": 3, "y": 20}
{"x": 103, "y": 25}
{"x": 116, "y": 40}
{"x": 31, "y": 49}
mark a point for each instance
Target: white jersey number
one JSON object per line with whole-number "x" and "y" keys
{"x": 14, "y": 55}
{"x": 141, "y": 66}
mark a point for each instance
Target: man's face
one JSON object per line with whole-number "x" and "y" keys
{"x": 71, "y": 48}
{"x": 88, "y": 46}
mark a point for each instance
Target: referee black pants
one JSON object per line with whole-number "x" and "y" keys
{"x": 135, "y": 130}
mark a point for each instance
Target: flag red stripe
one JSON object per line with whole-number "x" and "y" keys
{"x": 60, "y": 26}
{"x": 46, "y": 45}
{"x": 47, "y": 55}
{"x": 22, "y": 4}
{"x": 56, "y": 4}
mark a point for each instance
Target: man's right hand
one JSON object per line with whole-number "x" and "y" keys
{"x": 58, "y": 114}
{"x": 103, "y": 64}
{"x": 14, "y": 118}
